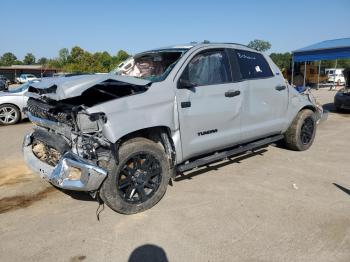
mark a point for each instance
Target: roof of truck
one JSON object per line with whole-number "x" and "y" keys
{"x": 196, "y": 44}
{"x": 192, "y": 44}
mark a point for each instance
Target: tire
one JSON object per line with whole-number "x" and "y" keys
{"x": 122, "y": 189}
{"x": 301, "y": 133}
{"x": 9, "y": 114}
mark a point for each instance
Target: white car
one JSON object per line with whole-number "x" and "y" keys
{"x": 24, "y": 78}
{"x": 12, "y": 102}
{"x": 335, "y": 75}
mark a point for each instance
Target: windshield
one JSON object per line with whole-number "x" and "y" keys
{"x": 153, "y": 65}
{"x": 20, "y": 88}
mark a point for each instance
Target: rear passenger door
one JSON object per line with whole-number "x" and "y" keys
{"x": 265, "y": 97}
{"x": 209, "y": 111}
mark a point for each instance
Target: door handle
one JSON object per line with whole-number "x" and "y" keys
{"x": 280, "y": 88}
{"x": 185, "y": 104}
{"x": 232, "y": 93}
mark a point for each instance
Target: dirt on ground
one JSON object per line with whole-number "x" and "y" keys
{"x": 14, "y": 172}
{"x": 22, "y": 201}
{"x": 15, "y": 180}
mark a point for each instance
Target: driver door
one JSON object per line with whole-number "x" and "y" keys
{"x": 209, "y": 104}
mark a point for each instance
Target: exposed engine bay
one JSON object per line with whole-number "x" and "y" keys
{"x": 63, "y": 126}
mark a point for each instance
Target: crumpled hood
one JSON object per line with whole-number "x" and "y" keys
{"x": 58, "y": 88}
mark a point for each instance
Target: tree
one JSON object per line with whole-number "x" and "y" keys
{"x": 8, "y": 59}
{"x": 282, "y": 60}
{"x": 42, "y": 61}
{"x": 122, "y": 55}
{"x": 63, "y": 55}
{"x": 259, "y": 45}
{"x": 102, "y": 62}
{"x": 341, "y": 63}
{"x": 29, "y": 59}
{"x": 105, "y": 60}
{"x": 79, "y": 60}
{"x": 76, "y": 54}
{"x": 54, "y": 63}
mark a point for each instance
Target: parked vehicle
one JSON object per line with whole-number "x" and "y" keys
{"x": 24, "y": 78}
{"x": 342, "y": 97}
{"x": 6, "y": 81}
{"x": 335, "y": 75}
{"x": 11, "y": 104}
{"x": 124, "y": 135}
{"x": 3, "y": 86}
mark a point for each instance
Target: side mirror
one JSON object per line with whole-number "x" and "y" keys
{"x": 185, "y": 84}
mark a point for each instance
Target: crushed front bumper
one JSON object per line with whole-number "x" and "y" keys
{"x": 89, "y": 179}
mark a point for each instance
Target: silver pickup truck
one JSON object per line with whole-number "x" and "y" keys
{"x": 123, "y": 136}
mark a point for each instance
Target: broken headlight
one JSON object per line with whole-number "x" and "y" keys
{"x": 90, "y": 123}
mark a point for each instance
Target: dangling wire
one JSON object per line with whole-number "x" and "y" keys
{"x": 100, "y": 203}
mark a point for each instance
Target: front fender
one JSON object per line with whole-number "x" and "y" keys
{"x": 155, "y": 107}
{"x": 296, "y": 103}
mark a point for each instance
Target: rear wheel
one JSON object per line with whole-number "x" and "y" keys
{"x": 9, "y": 114}
{"x": 301, "y": 133}
{"x": 140, "y": 179}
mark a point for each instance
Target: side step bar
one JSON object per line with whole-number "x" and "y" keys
{"x": 224, "y": 154}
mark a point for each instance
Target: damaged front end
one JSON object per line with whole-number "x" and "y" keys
{"x": 67, "y": 146}
{"x": 321, "y": 114}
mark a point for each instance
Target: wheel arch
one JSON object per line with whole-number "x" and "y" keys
{"x": 11, "y": 104}
{"x": 311, "y": 107}
{"x": 158, "y": 134}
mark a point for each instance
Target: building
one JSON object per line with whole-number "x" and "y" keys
{"x": 11, "y": 72}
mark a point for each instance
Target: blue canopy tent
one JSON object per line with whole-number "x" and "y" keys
{"x": 326, "y": 50}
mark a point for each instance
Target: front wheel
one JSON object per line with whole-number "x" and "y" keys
{"x": 301, "y": 133}
{"x": 140, "y": 179}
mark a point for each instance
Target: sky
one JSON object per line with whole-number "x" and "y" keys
{"x": 43, "y": 27}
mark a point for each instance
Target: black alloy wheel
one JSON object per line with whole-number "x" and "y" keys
{"x": 307, "y": 131}
{"x": 139, "y": 178}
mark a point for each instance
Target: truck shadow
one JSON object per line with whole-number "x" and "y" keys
{"x": 78, "y": 195}
{"x": 216, "y": 165}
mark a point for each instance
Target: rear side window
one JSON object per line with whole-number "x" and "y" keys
{"x": 253, "y": 65}
{"x": 208, "y": 68}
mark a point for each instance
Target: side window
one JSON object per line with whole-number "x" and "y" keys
{"x": 208, "y": 68}
{"x": 253, "y": 65}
